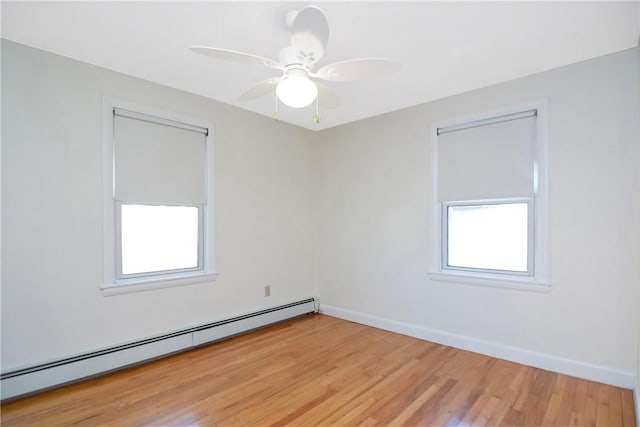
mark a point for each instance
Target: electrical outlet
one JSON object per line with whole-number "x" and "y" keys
{"x": 267, "y": 291}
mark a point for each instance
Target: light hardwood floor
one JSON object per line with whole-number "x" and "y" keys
{"x": 321, "y": 371}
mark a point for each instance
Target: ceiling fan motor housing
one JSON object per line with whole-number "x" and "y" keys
{"x": 293, "y": 58}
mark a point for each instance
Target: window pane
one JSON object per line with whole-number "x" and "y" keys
{"x": 158, "y": 238}
{"x": 488, "y": 236}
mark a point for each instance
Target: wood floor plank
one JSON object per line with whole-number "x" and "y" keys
{"x": 538, "y": 398}
{"x": 615, "y": 406}
{"x": 321, "y": 371}
{"x": 628, "y": 405}
{"x": 589, "y": 415}
{"x": 603, "y": 405}
{"x": 555, "y": 401}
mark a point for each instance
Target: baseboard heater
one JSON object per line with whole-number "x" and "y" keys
{"x": 39, "y": 377}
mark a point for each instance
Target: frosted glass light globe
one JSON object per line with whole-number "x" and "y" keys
{"x": 296, "y": 90}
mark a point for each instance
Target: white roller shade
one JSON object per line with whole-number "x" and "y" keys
{"x": 487, "y": 162}
{"x": 158, "y": 163}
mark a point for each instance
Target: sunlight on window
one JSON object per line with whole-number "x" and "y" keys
{"x": 488, "y": 236}
{"x": 159, "y": 238}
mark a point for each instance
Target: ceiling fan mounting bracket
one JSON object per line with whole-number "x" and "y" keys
{"x": 290, "y": 17}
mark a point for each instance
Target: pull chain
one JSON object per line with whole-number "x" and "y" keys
{"x": 316, "y": 117}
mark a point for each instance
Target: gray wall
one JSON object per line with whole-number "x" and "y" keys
{"x": 373, "y": 236}
{"x": 52, "y": 212}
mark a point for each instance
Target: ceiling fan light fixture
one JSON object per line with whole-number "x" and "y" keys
{"x": 296, "y": 90}
{"x": 297, "y": 87}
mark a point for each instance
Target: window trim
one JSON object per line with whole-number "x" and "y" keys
{"x": 540, "y": 278}
{"x": 111, "y": 284}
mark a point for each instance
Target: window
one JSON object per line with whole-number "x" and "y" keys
{"x": 158, "y": 216}
{"x": 158, "y": 239}
{"x": 489, "y": 175}
{"x": 488, "y": 236}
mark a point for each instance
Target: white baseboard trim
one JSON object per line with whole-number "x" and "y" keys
{"x": 544, "y": 361}
{"x": 23, "y": 381}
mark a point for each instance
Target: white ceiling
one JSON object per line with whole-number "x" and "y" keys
{"x": 444, "y": 47}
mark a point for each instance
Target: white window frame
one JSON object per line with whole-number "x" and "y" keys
{"x": 114, "y": 282}
{"x": 538, "y": 276}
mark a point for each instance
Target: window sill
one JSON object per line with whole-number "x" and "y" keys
{"x": 151, "y": 283}
{"x": 518, "y": 283}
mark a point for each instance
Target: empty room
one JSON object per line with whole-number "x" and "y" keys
{"x": 320, "y": 214}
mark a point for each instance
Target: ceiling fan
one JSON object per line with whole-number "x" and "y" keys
{"x": 298, "y": 85}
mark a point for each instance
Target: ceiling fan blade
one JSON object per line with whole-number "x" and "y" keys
{"x": 237, "y": 57}
{"x": 310, "y": 34}
{"x": 358, "y": 69}
{"x": 327, "y": 97}
{"x": 260, "y": 89}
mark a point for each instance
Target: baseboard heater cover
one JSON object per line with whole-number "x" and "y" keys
{"x": 39, "y": 377}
